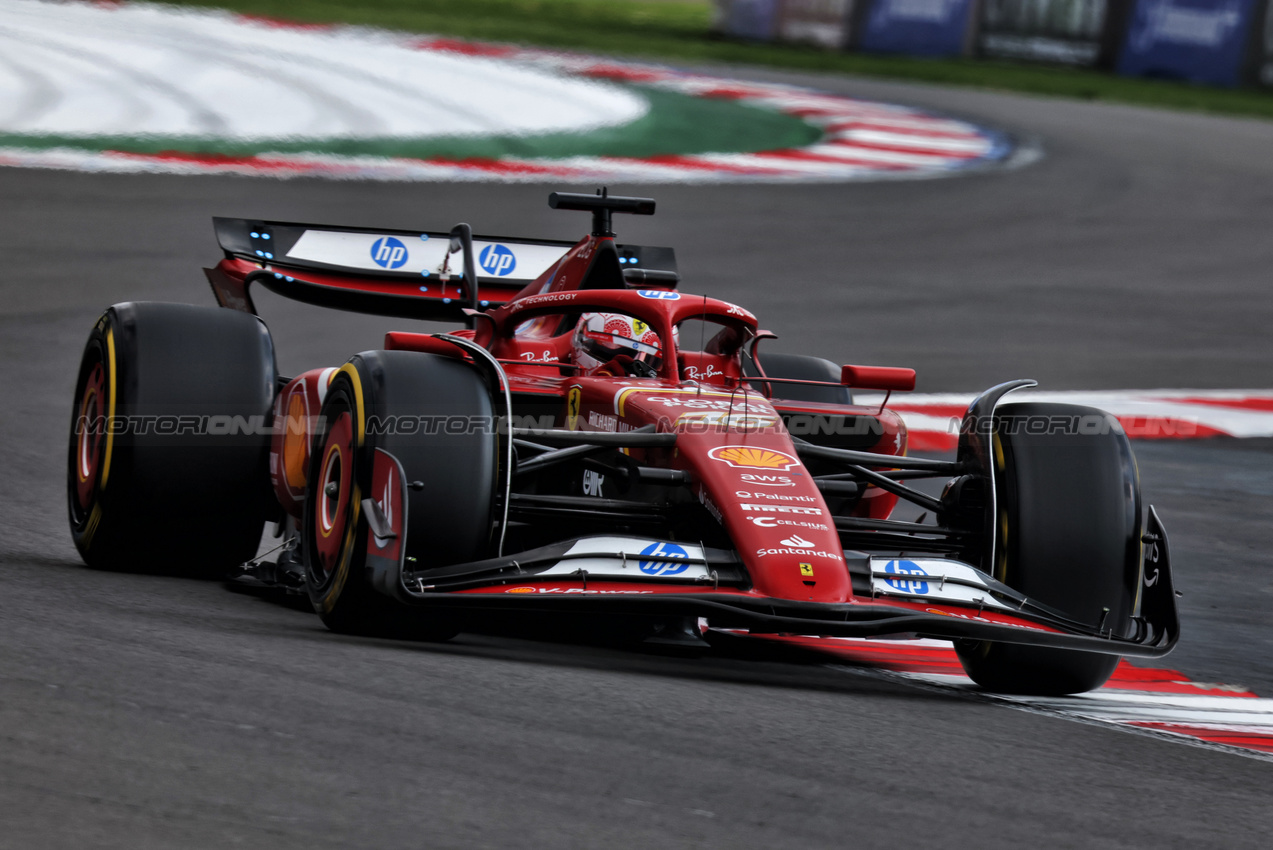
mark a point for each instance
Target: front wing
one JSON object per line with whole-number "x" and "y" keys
{"x": 931, "y": 598}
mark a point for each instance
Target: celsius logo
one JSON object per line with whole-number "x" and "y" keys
{"x": 389, "y": 253}
{"x": 774, "y": 522}
{"x": 666, "y": 567}
{"x": 906, "y": 568}
{"x": 497, "y": 260}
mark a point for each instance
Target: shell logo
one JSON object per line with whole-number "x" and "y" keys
{"x": 747, "y": 457}
{"x": 520, "y": 590}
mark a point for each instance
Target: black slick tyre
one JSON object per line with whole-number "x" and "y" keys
{"x": 434, "y": 415}
{"x": 1069, "y": 538}
{"x": 799, "y": 367}
{"x": 168, "y": 458}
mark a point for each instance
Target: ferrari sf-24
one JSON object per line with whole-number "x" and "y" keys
{"x": 596, "y": 443}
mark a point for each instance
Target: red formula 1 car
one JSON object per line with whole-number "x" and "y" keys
{"x": 597, "y": 442}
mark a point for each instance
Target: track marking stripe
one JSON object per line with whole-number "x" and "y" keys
{"x": 1148, "y": 700}
{"x": 932, "y": 420}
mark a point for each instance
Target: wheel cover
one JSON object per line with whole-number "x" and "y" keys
{"x": 332, "y": 494}
{"x": 90, "y": 426}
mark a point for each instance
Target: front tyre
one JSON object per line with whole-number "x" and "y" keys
{"x": 434, "y": 415}
{"x": 1069, "y": 537}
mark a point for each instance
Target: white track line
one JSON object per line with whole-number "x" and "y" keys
{"x": 211, "y": 73}
{"x": 1227, "y": 715}
{"x": 1146, "y": 414}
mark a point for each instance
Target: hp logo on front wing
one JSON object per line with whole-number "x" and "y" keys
{"x": 674, "y": 560}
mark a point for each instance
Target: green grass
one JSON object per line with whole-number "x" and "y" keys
{"x": 679, "y": 30}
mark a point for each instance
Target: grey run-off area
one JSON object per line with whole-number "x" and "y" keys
{"x": 154, "y": 712}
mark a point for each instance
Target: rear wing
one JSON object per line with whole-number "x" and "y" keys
{"x": 408, "y": 273}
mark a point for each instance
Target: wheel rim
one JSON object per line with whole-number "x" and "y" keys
{"x": 90, "y": 434}
{"x": 332, "y": 495}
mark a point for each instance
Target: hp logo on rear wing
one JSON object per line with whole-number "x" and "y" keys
{"x": 389, "y": 253}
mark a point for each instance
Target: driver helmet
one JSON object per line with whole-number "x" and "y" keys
{"x": 602, "y": 338}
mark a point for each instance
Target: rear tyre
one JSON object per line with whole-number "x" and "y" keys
{"x": 800, "y": 367}
{"x": 168, "y": 459}
{"x": 1070, "y": 538}
{"x": 434, "y": 414}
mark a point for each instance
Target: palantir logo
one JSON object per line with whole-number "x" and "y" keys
{"x": 906, "y": 568}
{"x": 497, "y": 260}
{"x": 389, "y": 253}
{"x": 678, "y": 563}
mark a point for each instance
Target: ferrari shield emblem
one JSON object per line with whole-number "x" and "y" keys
{"x": 572, "y": 409}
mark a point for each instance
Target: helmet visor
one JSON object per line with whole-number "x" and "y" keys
{"x": 606, "y": 346}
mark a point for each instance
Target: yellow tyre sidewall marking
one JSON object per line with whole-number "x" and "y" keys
{"x": 110, "y": 407}
{"x": 355, "y": 495}
{"x": 90, "y": 526}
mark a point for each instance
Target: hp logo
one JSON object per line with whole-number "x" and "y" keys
{"x": 497, "y": 260}
{"x": 669, "y": 567}
{"x": 659, "y": 294}
{"x": 389, "y": 253}
{"x": 906, "y": 568}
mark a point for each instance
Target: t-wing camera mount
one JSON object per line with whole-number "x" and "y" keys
{"x": 601, "y": 205}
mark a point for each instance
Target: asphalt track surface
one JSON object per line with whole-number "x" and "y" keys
{"x": 146, "y": 711}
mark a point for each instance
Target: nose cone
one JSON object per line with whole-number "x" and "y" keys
{"x": 773, "y": 512}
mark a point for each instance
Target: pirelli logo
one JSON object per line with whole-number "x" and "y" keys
{"x": 782, "y": 509}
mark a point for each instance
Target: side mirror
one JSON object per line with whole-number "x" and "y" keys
{"x": 878, "y": 378}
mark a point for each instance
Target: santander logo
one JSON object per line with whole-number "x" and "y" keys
{"x": 798, "y": 546}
